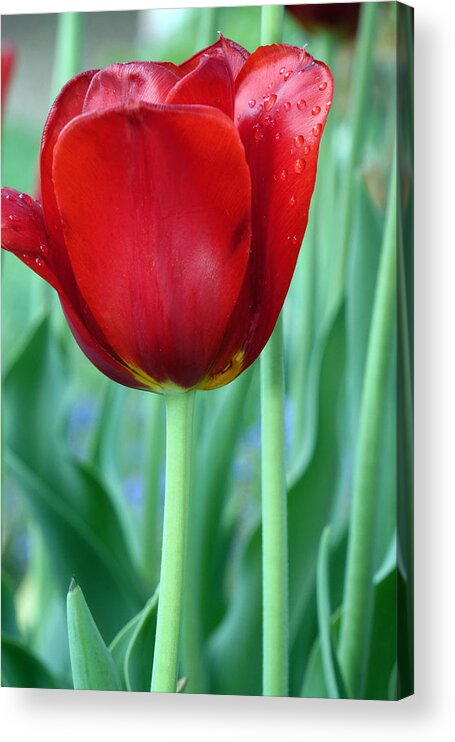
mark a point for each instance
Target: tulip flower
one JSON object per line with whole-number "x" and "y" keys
{"x": 8, "y": 58}
{"x": 341, "y": 19}
{"x": 174, "y": 202}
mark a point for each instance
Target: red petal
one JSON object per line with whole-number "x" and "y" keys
{"x": 23, "y": 232}
{"x": 283, "y": 98}
{"x": 99, "y": 356}
{"x": 210, "y": 83}
{"x": 119, "y": 84}
{"x": 67, "y": 105}
{"x": 155, "y": 203}
{"x": 234, "y": 54}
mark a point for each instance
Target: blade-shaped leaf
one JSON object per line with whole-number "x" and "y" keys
{"x": 91, "y": 662}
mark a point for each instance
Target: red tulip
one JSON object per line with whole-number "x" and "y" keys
{"x": 174, "y": 203}
{"x": 8, "y": 60}
{"x": 341, "y": 19}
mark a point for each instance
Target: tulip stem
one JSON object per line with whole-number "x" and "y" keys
{"x": 275, "y": 637}
{"x": 362, "y": 70}
{"x": 271, "y": 24}
{"x": 356, "y": 618}
{"x": 274, "y": 520}
{"x": 179, "y": 423}
{"x": 68, "y": 50}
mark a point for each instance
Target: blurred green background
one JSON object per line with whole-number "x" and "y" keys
{"x": 83, "y": 458}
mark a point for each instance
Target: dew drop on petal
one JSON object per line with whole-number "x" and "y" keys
{"x": 278, "y": 136}
{"x": 282, "y": 70}
{"x": 301, "y": 104}
{"x": 44, "y": 249}
{"x": 316, "y": 110}
{"x": 322, "y": 86}
{"x": 292, "y": 201}
{"x": 299, "y": 140}
{"x": 283, "y": 174}
{"x": 299, "y": 165}
{"x": 293, "y": 239}
{"x": 306, "y": 149}
{"x": 269, "y": 102}
{"x": 257, "y": 132}
{"x": 268, "y": 121}
{"x": 328, "y": 105}
{"x": 287, "y": 106}
{"x": 39, "y": 261}
{"x": 317, "y": 130}
{"x": 21, "y": 196}
{"x": 7, "y": 196}
{"x": 288, "y": 74}
{"x": 252, "y": 103}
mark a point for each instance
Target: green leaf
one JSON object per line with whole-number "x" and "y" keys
{"x": 22, "y": 669}
{"x": 9, "y": 623}
{"x": 91, "y": 662}
{"x": 64, "y": 497}
{"x": 332, "y": 674}
{"x": 119, "y": 646}
{"x": 139, "y": 654}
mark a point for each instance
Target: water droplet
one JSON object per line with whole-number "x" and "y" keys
{"x": 21, "y": 196}
{"x": 252, "y": 103}
{"x": 282, "y": 70}
{"x": 301, "y": 104}
{"x": 269, "y": 102}
{"x": 39, "y": 261}
{"x": 278, "y": 136}
{"x": 322, "y": 86}
{"x": 257, "y": 132}
{"x": 306, "y": 149}
{"x": 299, "y": 140}
{"x": 8, "y": 196}
{"x": 268, "y": 121}
{"x": 317, "y": 130}
{"x": 287, "y": 106}
{"x": 270, "y": 86}
{"x": 283, "y": 174}
{"x": 238, "y": 117}
{"x": 328, "y": 105}
{"x": 44, "y": 249}
{"x": 292, "y": 201}
{"x": 288, "y": 74}
{"x": 13, "y": 218}
{"x": 293, "y": 239}
{"x": 260, "y": 106}
{"x": 316, "y": 110}
{"x": 299, "y": 165}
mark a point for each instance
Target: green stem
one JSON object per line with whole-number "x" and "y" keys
{"x": 275, "y": 640}
{"x": 359, "y": 570}
{"x": 272, "y": 24}
{"x": 361, "y": 97}
{"x": 67, "y": 51}
{"x": 150, "y": 514}
{"x": 274, "y": 520}
{"x": 179, "y": 423}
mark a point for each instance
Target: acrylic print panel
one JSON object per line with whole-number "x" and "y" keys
{"x": 215, "y": 495}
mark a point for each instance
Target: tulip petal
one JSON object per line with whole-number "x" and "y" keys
{"x": 155, "y": 204}
{"x": 234, "y": 54}
{"x": 24, "y": 235}
{"x": 282, "y": 97}
{"x": 68, "y": 104}
{"x": 119, "y": 84}
{"x": 210, "y": 83}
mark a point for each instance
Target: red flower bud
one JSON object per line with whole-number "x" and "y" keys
{"x": 174, "y": 203}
